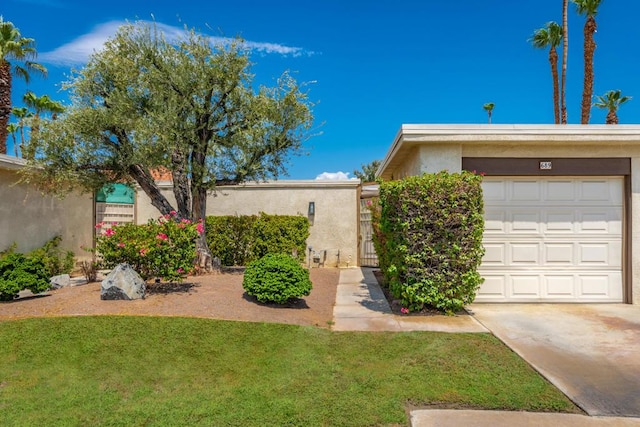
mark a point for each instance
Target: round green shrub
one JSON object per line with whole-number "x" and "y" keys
{"x": 276, "y": 278}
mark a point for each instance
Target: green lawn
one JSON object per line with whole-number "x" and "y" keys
{"x": 135, "y": 371}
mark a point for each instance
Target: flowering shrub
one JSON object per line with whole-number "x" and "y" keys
{"x": 163, "y": 248}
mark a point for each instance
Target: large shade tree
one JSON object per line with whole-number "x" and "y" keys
{"x": 147, "y": 103}
{"x": 611, "y": 101}
{"x": 588, "y": 8}
{"x": 550, "y": 37}
{"x": 16, "y": 58}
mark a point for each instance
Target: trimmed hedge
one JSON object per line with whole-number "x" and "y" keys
{"x": 428, "y": 235}
{"x": 277, "y": 278}
{"x": 239, "y": 240}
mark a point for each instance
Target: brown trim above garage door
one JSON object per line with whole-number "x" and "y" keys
{"x": 616, "y": 166}
{"x": 539, "y": 166}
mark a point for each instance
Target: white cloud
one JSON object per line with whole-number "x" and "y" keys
{"x": 334, "y": 176}
{"x": 77, "y": 51}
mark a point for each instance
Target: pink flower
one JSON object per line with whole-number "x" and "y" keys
{"x": 121, "y": 245}
{"x": 99, "y": 225}
{"x": 185, "y": 221}
{"x": 404, "y": 310}
{"x": 173, "y": 213}
{"x": 181, "y": 225}
{"x": 180, "y": 270}
{"x": 162, "y": 236}
{"x": 143, "y": 251}
{"x": 368, "y": 202}
{"x": 110, "y": 232}
{"x": 482, "y": 174}
{"x": 200, "y": 227}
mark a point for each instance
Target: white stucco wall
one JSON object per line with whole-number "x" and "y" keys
{"x": 30, "y": 219}
{"x": 335, "y": 223}
{"x": 433, "y": 148}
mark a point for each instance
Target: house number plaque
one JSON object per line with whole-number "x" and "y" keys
{"x": 545, "y": 166}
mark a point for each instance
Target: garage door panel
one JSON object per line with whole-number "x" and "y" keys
{"x": 524, "y": 254}
{"x": 525, "y": 286}
{"x": 494, "y": 254}
{"x": 559, "y": 254}
{"x": 525, "y": 222}
{"x": 559, "y": 286}
{"x": 600, "y": 254}
{"x": 560, "y": 190}
{"x": 553, "y": 239}
{"x": 494, "y": 221}
{"x": 559, "y": 221}
{"x": 525, "y": 190}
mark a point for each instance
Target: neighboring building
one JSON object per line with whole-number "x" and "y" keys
{"x": 331, "y": 206}
{"x": 562, "y": 204}
{"x": 30, "y": 218}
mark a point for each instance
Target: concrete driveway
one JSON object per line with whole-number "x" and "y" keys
{"x": 589, "y": 351}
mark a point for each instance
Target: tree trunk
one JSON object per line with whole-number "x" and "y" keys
{"x": 553, "y": 59}
{"x": 199, "y": 210}
{"x": 5, "y": 103}
{"x": 149, "y": 186}
{"x": 565, "y": 49}
{"x": 612, "y": 118}
{"x": 589, "y": 49}
{"x": 181, "y": 189}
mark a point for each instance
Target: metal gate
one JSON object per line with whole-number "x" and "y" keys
{"x": 368, "y": 256}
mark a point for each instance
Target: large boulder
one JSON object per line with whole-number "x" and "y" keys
{"x": 122, "y": 283}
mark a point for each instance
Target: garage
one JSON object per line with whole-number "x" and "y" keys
{"x": 562, "y": 204}
{"x": 553, "y": 239}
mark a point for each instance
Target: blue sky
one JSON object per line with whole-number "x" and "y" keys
{"x": 375, "y": 65}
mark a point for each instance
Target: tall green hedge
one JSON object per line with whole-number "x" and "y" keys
{"x": 428, "y": 233}
{"x": 238, "y": 240}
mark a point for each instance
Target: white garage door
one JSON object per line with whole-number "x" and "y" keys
{"x": 552, "y": 239}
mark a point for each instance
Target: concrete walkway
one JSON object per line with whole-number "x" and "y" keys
{"x": 362, "y": 306}
{"x": 591, "y": 352}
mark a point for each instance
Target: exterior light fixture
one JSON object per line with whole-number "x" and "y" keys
{"x": 312, "y": 208}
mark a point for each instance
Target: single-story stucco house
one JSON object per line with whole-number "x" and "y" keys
{"x": 562, "y": 204}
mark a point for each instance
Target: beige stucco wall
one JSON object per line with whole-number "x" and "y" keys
{"x": 433, "y": 148}
{"x": 30, "y": 219}
{"x": 335, "y": 223}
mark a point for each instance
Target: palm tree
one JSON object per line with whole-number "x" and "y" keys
{"x": 589, "y": 8}
{"x": 13, "y": 47}
{"x": 550, "y": 36}
{"x": 13, "y": 128}
{"x": 22, "y": 114}
{"x": 611, "y": 100}
{"x": 488, "y": 107}
{"x": 41, "y": 104}
{"x": 565, "y": 50}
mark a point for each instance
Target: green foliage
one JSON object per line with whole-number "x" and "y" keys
{"x": 19, "y": 271}
{"x": 230, "y": 238}
{"x": 368, "y": 172}
{"x": 276, "y": 278}
{"x": 55, "y": 260}
{"x": 163, "y": 248}
{"x": 280, "y": 234}
{"x": 179, "y": 102}
{"x": 428, "y": 234}
{"x": 238, "y": 240}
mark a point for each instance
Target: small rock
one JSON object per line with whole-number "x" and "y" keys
{"x": 60, "y": 281}
{"x": 123, "y": 283}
